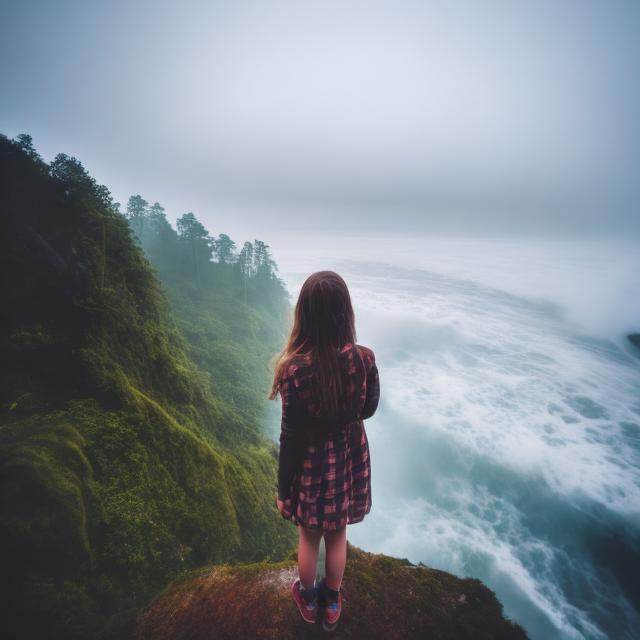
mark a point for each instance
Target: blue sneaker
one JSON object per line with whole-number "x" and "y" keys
{"x": 332, "y": 609}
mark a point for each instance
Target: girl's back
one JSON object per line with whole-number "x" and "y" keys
{"x": 329, "y": 385}
{"x": 324, "y": 463}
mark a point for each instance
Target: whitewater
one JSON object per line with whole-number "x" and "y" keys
{"x": 506, "y": 445}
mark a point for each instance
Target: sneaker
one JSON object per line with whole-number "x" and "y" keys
{"x": 332, "y": 610}
{"x": 309, "y": 611}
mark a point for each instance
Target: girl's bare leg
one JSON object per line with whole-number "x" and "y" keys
{"x": 308, "y": 547}
{"x": 335, "y": 543}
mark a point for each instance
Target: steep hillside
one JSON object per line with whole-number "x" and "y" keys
{"x": 122, "y": 462}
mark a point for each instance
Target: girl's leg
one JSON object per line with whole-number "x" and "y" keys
{"x": 308, "y": 547}
{"x": 335, "y": 543}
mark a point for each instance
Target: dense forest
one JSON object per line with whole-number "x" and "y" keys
{"x": 134, "y": 360}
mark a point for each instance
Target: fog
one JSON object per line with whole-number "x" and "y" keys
{"x": 471, "y": 169}
{"x": 385, "y": 116}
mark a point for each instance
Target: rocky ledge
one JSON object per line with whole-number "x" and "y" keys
{"x": 384, "y": 598}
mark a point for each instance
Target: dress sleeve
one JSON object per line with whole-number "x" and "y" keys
{"x": 373, "y": 392}
{"x": 289, "y": 438}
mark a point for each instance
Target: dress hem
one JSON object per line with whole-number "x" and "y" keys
{"x": 349, "y": 521}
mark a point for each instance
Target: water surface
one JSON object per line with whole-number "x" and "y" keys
{"x": 507, "y": 441}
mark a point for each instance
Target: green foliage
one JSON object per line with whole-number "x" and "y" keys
{"x": 130, "y": 443}
{"x": 187, "y": 255}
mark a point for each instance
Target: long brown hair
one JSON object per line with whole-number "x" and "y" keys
{"x": 323, "y": 322}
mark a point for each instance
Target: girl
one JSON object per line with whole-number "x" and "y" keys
{"x": 328, "y": 385}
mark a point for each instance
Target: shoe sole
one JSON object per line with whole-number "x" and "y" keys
{"x": 330, "y": 627}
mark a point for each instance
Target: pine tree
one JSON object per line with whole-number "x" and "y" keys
{"x": 136, "y": 214}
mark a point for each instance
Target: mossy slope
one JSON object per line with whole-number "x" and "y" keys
{"x": 121, "y": 464}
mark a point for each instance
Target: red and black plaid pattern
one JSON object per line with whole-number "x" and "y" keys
{"x": 325, "y": 468}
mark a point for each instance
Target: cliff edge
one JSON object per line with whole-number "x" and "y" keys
{"x": 384, "y": 597}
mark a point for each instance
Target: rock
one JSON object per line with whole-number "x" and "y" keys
{"x": 383, "y": 598}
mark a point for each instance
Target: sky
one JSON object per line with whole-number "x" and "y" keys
{"x": 373, "y": 117}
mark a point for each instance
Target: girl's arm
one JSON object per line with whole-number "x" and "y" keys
{"x": 373, "y": 391}
{"x": 289, "y": 437}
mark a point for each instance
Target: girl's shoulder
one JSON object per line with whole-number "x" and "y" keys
{"x": 367, "y": 353}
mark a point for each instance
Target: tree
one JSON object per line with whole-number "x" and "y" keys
{"x": 258, "y": 251}
{"x": 197, "y": 242}
{"x": 136, "y": 213}
{"x": 263, "y": 263}
{"x": 245, "y": 260}
{"x": 224, "y": 247}
{"x": 157, "y": 212}
{"x": 245, "y": 266}
{"x": 25, "y": 142}
{"x": 77, "y": 182}
{"x": 160, "y": 238}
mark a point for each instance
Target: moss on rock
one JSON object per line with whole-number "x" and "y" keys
{"x": 383, "y": 598}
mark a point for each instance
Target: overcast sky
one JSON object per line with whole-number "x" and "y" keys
{"x": 386, "y": 116}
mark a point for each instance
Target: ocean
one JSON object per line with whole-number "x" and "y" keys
{"x": 506, "y": 445}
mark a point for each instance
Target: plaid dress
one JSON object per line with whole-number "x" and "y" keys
{"x": 324, "y": 467}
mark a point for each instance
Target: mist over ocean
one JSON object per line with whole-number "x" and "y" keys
{"x": 507, "y": 441}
